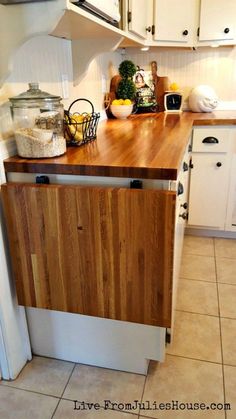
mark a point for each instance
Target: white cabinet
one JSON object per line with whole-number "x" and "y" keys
{"x": 138, "y": 11}
{"x": 231, "y": 208}
{"x": 210, "y": 174}
{"x": 217, "y": 20}
{"x": 174, "y": 21}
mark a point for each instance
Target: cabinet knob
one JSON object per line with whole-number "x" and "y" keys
{"x": 184, "y": 215}
{"x": 180, "y": 190}
{"x": 185, "y": 205}
{"x": 185, "y": 33}
{"x": 185, "y": 166}
{"x": 226, "y": 30}
{"x": 218, "y": 164}
{"x": 149, "y": 29}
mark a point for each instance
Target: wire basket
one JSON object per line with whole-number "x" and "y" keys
{"x": 80, "y": 128}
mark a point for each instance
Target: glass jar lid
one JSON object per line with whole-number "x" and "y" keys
{"x": 33, "y": 95}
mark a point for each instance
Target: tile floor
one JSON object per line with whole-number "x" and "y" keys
{"x": 200, "y": 364}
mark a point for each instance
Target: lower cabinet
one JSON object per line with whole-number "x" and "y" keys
{"x": 212, "y": 191}
{"x": 98, "y": 251}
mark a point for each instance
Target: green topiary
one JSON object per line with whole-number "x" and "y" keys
{"x": 127, "y": 69}
{"x": 126, "y": 88}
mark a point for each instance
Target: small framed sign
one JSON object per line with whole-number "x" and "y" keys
{"x": 145, "y": 100}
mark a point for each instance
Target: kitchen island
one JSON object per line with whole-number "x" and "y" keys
{"x": 95, "y": 258}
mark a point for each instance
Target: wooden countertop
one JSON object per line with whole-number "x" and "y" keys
{"x": 148, "y": 146}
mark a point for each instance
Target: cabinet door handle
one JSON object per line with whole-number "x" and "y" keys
{"x": 218, "y": 164}
{"x": 226, "y": 30}
{"x": 149, "y": 29}
{"x": 185, "y": 205}
{"x": 185, "y": 33}
{"x": 210, "y": 140}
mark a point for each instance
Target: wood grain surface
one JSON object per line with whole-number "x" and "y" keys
{"x": 142, "y": 146}
{"x": 105, "y": 252}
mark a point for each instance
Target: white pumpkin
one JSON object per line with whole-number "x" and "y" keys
{"x": 203, "y": 99}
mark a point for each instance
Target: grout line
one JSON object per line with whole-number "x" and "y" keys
{"x": 194, "y": 359}
{"x": 30, "y": 391}
{"x": 55, "y": 409}
{"x": 144, "y": 385}
{"x": 68, "y": 381}
{"x": 221, "y": 343}
{"x": 194, "y": 312}
{"x": 195, "y": 279}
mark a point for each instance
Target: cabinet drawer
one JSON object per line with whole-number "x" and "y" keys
{"x": 211, "y": 140}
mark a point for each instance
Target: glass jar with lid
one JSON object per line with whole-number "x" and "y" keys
{"x": 38, "y": 123}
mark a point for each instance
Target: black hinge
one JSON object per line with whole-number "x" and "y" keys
{"x": 136, "y": 184}
{"x": 190, "y": 148}
{"x": 198, "y": 31}
{"x": 129, "y": 17}
{"x": 153, "y": 29}
{"x": 168, "y": 336}
{"x": 42, "y": 180}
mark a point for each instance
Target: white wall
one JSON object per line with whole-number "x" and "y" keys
{"x": 213, "y": 66}
{"x": 44, "y": 59}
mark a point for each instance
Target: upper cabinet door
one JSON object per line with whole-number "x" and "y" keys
{"x": 174, "y": 20}
{"x": 217, "y": 20}
{"x": 138, "y": 17}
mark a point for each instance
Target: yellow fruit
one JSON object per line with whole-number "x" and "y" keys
{"x": 115, "y": 102}
{"x": 121, "y": 102}
{"x": 174, "y": 87}
{"x": 127, "y": 102}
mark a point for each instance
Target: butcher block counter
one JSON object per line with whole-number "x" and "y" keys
{"x": 96, "y": 261}
{"x": 148, "y": 146}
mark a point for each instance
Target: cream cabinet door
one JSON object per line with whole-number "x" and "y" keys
{"x": 209, "y": 190}
{"x": 217, "y": 20}
{"x": 174, "y": 21}
{"x": 138, "y": 17}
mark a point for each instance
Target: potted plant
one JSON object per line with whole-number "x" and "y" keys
{"x": 122, "y": 106}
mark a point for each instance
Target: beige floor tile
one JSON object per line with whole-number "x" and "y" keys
{"x": 226, "y": 270}
{"x": 227, "y": 297}
{"x": 230, "y": 386}
{"x": 225, "y": 248}
{"x": 94, "y": 384}
{"x": 197, "y": 297}
{"x": 228, "y": 330}
{"x": 196, "y": 336}
{"x": 195, "y": 245}
{"x": 66, "y": 410}
{"x": 198, "y": 267}
{"x": 44, "y": 375}
{"x": 21, "y": 404}
{"x": 185, "y": 381}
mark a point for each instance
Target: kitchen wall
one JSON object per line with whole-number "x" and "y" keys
{"x": 45, "y": 59}
{"x": 213, "y": 66}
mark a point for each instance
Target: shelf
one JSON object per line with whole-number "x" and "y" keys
{"x": 60, "y": 18}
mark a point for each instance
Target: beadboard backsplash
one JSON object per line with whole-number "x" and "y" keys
{"x": 215, "y": 67}
{"x": 45, "y": 59}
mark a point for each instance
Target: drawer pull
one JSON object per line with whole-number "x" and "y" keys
{"x": 218, "y": 164}
{"x": 210, "y": 140}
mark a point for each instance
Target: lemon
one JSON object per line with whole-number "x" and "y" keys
{"x": 127, "y": 102}
{"x": 174, "y": 87}
{"x": 121, "y": 102}
{"x": 115, "y": 102}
